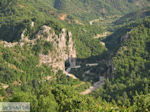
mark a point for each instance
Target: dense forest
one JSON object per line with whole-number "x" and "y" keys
{"x": 131, "y": 63}
{"x": 122, "y": 57}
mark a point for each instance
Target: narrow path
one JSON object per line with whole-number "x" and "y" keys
{"x": 78, "y": 85}
{"x": 92, "y": 64}
{"x": 93, "y": 88}
{"x": 70, "y": 75}
{"x": 70, "y": 67}
{"x": 95, "y": 85}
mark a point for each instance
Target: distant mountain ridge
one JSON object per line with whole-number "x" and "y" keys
{"x": 133, "y": 16}
{"x": 86, "y": 9}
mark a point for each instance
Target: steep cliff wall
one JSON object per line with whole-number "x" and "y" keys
{"x": 63, "y": 47}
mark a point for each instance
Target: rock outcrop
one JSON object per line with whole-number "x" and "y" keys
{"x": 8, "y": 44}
{"x": 64, "y": 48}
{"x": 63, "y": 45}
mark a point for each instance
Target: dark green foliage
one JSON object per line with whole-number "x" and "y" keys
{"x": 17, "y": 16}
{"x": 87, "y": 10}
{"x": 84, "y": 41}
{"x": 142, "y": 103}
{"x": 131, "y": 64}
{"x": 47, "y": 46}
{"x": 27, "y": 82}
{"x": 20, "y": 69}
{"x": 134, "y": 16}
{"x": 26, "y": 97}
{"x": 6, "y": 75}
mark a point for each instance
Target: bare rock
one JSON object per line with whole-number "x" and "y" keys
{"x": 64, "y": 48}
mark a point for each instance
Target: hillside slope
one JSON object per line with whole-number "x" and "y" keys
{"x": 130, "y": 59}
{"x": 42, "y": 40}
{"x": 87, "y": 9}
{"x": 18, "y": 15}
{"x": 134, "y": 16}
{"x": 32, "y": 70}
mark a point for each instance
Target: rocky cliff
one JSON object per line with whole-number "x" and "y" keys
{"x": 63, "y": 47}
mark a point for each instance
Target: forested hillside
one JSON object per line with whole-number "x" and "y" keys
{"x": 130, "y": 59}
{"x": 76, "y": 55}
{"x": 17, "y": 15}
{"x": 137, "y": 15}
{"x": 24, "y": 79}
{"x": 91, "y": 9}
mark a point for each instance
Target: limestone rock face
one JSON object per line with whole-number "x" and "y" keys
{"x": 64, "y": 48}
{"x": 63, "y": 45}
{"x": 8, "y": 44}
